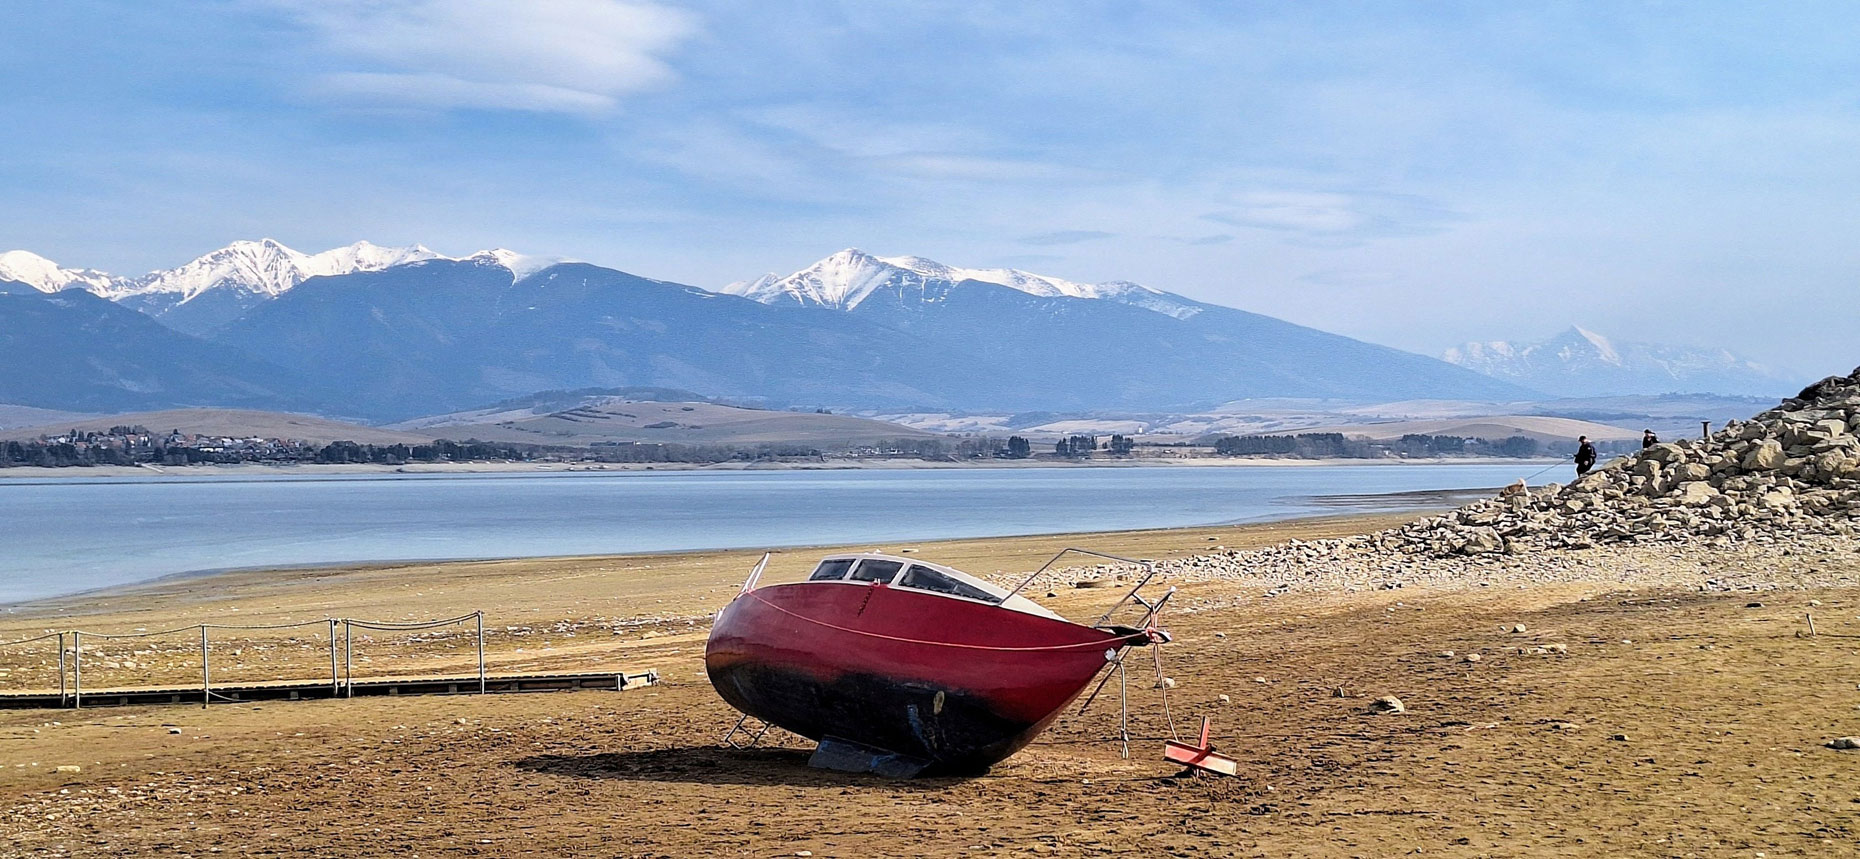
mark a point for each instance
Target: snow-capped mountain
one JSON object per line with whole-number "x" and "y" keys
{"x": 1581, "y": 363}
{"x": 392, "y": 340}
{"x": 218, "y": 287}
{"x": 845, "y": 279}
{"x": 520, "y": 265}
{"x": 46, "y": 276}
{"x": 263, "y": 268}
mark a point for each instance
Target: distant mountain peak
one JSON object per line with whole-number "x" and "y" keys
{"x": 239, "y": 276}
{"x": 1580, "y": 362}
{"x": 520, "y": 265}
{"x": 1600, "y": 347}
{"x": 46, "y": 276}
{"x": 846, "y": 278}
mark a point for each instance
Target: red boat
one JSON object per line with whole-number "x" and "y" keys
{"x": 900, "y": 666}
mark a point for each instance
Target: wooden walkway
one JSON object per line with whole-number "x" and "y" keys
{"x": 310, "y": 689}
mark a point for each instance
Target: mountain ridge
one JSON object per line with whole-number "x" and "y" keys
{"x": 402, "y": 336}
{"x": 219, "y": 286}
{"x": 1580, "y": 362}
{"x": 843, "y": 280}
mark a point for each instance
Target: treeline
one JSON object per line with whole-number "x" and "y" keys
{"x": 1330, "y": 445}
{"x": 401, "y": 454}
{"x": 66, "y": 454}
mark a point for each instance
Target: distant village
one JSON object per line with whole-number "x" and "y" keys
{"x": 139, "y": 446}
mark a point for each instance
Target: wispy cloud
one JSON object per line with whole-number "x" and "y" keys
{"x": 1332, "y": 216}
{"x": 552, "y": 56}
{"x": 1065, "y": 237}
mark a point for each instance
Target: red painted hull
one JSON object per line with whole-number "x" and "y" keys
{"x": 958, "y": 684}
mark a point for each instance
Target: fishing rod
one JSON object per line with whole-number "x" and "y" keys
{"x": 1554, "y": 465}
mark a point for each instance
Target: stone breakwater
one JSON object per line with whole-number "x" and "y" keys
{"x": 1780, "y": 491}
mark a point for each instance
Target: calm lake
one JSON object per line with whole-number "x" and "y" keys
{"x": 62, "y": 535}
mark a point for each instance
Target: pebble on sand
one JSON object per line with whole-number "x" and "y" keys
{"x": 1518, "y": 628}
{"x": 1387, "y": 705}
{"x": 1472, "y": 657}
{"x": 1836, "y": 743}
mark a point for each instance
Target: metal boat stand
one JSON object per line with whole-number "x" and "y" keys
{"x": 730, "y": 739}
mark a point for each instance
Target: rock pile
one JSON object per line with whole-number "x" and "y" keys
{"x": 1786, "y": 483}
{"x": 1794, "y": 469}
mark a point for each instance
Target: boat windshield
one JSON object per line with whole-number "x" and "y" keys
{"x": 831, "y": 569}
{"x": 925, "y": 579}
{"x": 874, "y": 570}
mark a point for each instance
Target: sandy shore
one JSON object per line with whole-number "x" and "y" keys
{"x": 260, "y": 470}
{"x": 1641, "y": 711}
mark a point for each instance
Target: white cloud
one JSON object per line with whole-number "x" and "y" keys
{"x": 1335, "y": 216}
{"x": 566, "y": 56}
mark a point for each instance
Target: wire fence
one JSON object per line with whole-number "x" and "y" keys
{"x": 341, "y": 673}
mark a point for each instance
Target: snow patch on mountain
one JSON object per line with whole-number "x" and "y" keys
{"x": 520, "y": 265}
{"x": 845, "y": 279}
{"x": 252, "y": 270}
{"x": 1582, "y": 363}
{"x": 46, "y": 276}
{"x": 263, "y": 269}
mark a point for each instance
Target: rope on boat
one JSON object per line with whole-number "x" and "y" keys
{"x": 1161, "y": 678}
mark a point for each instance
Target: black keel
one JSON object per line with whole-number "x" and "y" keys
{"x": 834, "y": 753}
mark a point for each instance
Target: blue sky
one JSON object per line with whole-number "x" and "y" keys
{"x": 1413, "y": 174}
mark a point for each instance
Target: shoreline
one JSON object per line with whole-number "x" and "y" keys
{"x": 284, "y": 575}
{"x": 323, "y": 583}
{"x": 260, "y": 471}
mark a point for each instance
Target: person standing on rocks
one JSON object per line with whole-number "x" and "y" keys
{"x": 1648, "y": 439}
{"x": 1585, "y": 455}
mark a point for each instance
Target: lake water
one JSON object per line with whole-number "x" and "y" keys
{"x": 60, "y": 536}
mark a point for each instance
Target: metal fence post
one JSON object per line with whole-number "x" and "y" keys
{"x": 481, "y": 651}
{"x": 348, "y": 657}
{"x": 206, "y": 690}
{"x": 335, "y": 679}
{"x": 62, "y": 694}
{"x": 77, "y": 670}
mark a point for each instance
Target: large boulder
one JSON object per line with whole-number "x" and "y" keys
{"x": 1830, "y": 427}
{"x": 1767, "y": 455}
{"x": 1696, "y": 494}
{"x": 1663, "y": 453}
{"x": 1483, "y": 541}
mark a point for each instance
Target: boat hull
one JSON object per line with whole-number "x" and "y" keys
{"x": 953, "y": 684}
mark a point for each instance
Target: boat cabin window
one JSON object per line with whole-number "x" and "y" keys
{"x": 871, "y": 570}
{"x": 831, "y": 570}
{"x": 926, "y": 579}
